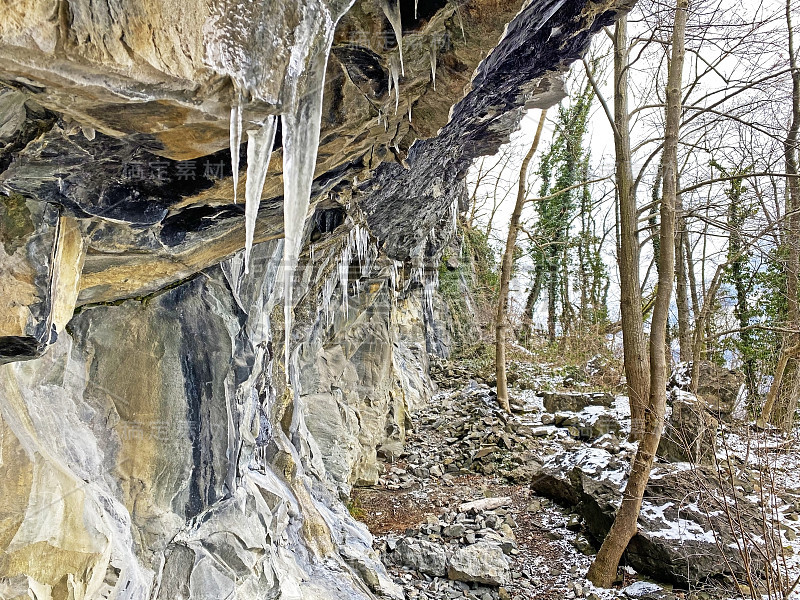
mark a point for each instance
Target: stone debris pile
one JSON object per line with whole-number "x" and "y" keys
{"x": 464, "y": 553}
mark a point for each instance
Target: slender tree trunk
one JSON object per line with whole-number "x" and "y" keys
{"x": 681, "y": 289}
{"x": 501, "y": 320}
{"x": 533, "y": 296}
{"x": 604, "y": 569}
{"x": 780, "y": 411}
{"x": 552, "y": 293}
{"x": 700, "y": 325}
{"x": 633, "y": 338}
{"x": 687, "y": 250}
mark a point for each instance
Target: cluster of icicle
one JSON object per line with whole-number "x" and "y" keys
{"x": 429, "y": 279}
{"x": 301, "y": 105}
{"x": 300, "y": 117}
{"x": 357, "y": 245}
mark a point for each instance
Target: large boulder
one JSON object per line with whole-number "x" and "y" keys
{"x": 575, "y": 401}
{"x": 426, "y": 557}
{"x": 691, "y": 432}
{"x": 683, "y": 536}
{"x": 480, "y": 563}
{"x": 720, "y": 388}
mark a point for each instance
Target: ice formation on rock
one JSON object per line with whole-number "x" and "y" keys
{"x": 301, "y": 101}
{"x": 433, "y": 65}
{"x": 259, "y": 149}
{"x": 429, "y": 285}
{"x": 236, "y": 142}
{"x": 357, "y": 246}
{"x": 391, "y": 8}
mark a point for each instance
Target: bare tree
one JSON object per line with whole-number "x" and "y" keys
{"x": 506, "y": 266}
{"x": 604, "y": 568}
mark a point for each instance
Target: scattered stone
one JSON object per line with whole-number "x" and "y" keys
{"x": 426, "y": 557}
{"x": 480, "y": 563}
{"x": 574, "y": 401}
{"x": 484, "y": 504}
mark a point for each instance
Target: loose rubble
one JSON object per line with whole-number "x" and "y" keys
{"x": 486, "y": 505}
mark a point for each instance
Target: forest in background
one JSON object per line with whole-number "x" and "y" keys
{"x": 675, "y": 236}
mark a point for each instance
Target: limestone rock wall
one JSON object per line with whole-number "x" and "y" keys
{"x": 152, "y": 451}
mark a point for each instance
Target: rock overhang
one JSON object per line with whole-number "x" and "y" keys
{"x": 127, "y": 133}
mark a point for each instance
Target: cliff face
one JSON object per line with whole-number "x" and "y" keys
{"x": 150, "y": 446}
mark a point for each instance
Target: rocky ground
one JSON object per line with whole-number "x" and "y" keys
{"x": 468, "y": 510}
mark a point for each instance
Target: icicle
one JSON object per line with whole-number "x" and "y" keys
{"x": 409, "y": 112}
{"x": 416, "y": 5}
{"x": 433, "y": 66}
{"x": 460, "y": 22}
{"x": 429, "y": 288}
{"x": 391, "y": 8}
{"x": 259, "y": 150}
{"x": 305, "y": 81}
{"x": 344, "y": 273}
{"x": 236, "y": 142}
{"x": 454, "y": 223}
{"x": 395, "y": 77}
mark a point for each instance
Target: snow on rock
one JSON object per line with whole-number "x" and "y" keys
{"x": 640, "y": 589}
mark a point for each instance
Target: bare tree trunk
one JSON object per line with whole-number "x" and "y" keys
{"x": 681, "y": 289}
{"x": 700, "y": 324}
{"x": 687, "y": 250}
{"x": 782, "y": 400}
{"x": 533, "y": 297}
{"x": 604, "y": 568}
{"x": 633, "y": 338}
{"x": 501, "y": 320}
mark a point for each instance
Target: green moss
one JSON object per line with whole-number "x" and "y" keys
{"x": 355, "y": 509}
{"x": 16, "y": 224}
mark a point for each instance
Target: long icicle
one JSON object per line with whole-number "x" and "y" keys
{"x": 395, "y": 77}
{"x": 433, "y": 65}
{"x": 391, "y": 8}
{"x": 259, "y": 150}
{"x": 236, "y": 142}
{"x": 301, "y": 127}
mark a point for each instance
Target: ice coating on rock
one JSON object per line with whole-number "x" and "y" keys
{"x": 454, "y": 216}
{"x": 250, "y": 42}
{"x": 391, "y": 8}
{"x": 236, "y": 142}
{"x": 259, "y": 149}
